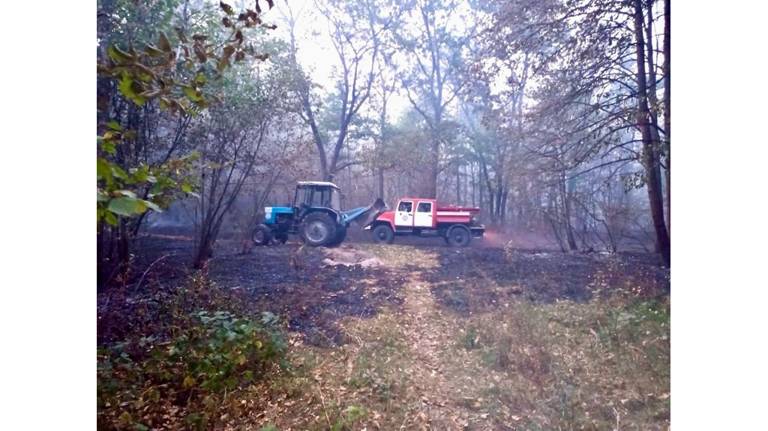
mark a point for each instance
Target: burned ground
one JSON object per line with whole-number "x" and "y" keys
{"x": 418, "y": 335}
{"x": 298, "y": 284}
{"x": 477, "y": 279}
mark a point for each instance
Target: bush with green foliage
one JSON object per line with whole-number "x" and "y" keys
{"x": 174, "y": 367}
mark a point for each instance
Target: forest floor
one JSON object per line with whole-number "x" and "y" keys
{"x": 424, "y": 336}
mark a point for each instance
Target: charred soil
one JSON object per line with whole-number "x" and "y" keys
{"x": 424, "y": 336}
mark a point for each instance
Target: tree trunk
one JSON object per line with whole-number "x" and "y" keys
{"x": 204, "y": 251}
{"x": 458, "y": 186}
{"x": 434, "y": 169}
{"x": 567, "y": 213}
{"x": 473, "y": 183}
{"x": 503, "y": 204}
{"x": 651, "y": 91}
{"x": 667, "y": 109}
{"x": 650, "y": 152}
{"x": 479, "y": 185}
{"x": 380, "y": 174}
{"x": 654, "y": 107}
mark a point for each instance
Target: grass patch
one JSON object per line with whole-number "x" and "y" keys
{"x": 379, "y": 360}
{"x": 576, "y": 366}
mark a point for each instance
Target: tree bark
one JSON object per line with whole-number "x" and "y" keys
{"x": 380, "y": 182}
{"x": 654, "y": 107}
{"x": 566, "y": 197}
{"x": 667, "y": 108}
{"x": 650, "y": 151}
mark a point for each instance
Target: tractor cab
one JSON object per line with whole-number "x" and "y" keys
{"x": 317, "y": 194}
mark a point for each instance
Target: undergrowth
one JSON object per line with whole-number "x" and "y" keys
{"x": 184, "y": 362}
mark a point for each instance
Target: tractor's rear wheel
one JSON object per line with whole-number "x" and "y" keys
{"x": 383, "y": 234}
{"x": 262, "y": 235}
{"x": 341, "y": 235}
{"x": 318, "y": 229}
{"x": 458, "y": 236}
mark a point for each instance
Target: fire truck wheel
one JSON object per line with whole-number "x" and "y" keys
{"x": 262, "y": 235}
{"x": 318, "y": 229}
{"x": 383, "y": 234}
{"x": 459, "y": 236}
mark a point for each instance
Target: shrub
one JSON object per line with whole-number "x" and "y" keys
{"x": 150, "y": 384}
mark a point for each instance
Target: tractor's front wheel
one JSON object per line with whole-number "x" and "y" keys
{"x": 318, "y": 229}
{"x": 383, "y": 234}
{"x": 262, "y": 235}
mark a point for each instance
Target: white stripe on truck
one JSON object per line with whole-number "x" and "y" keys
{"x": 454, "y": 213}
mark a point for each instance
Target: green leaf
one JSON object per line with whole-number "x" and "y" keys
{"x": 118, "y": 55}
{"x": 200, "y": 78}
{"x": 125, "y": 86}
{"x": 101, "y": 196}
{"x": 193, "y": 94}
{"x": 114, "y": 125}
{"x": 104, "y": 171}
{"x": 140, "y": 175}
{"x": 152, "y": 206}
{"x": 118, "y": 172}
{"x": 110, "y": 218}
{"x": 127, "y": 206}
{"x": 186, "y": 188}
{"x": 128, "y": 193}
{"x": 109, "y": 147}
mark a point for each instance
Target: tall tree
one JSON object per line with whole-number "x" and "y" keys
{"x": 651, "y": 158}
{"x": 668, "y": 107}
{"x": 355, "y": 30}
{"x": 433, "y": 67}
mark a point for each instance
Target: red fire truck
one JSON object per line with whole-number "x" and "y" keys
{"x": 425, "y": 217}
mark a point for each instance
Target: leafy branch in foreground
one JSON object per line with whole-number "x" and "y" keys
{"x": 116, "y": 193}
{"x": 173, "y": 73}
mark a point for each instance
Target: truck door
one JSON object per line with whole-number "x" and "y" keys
{"x": 423, "y": 214}
{"x": 404, "y": 215}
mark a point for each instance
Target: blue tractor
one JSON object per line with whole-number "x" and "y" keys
{"x": 316, "y": 216}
